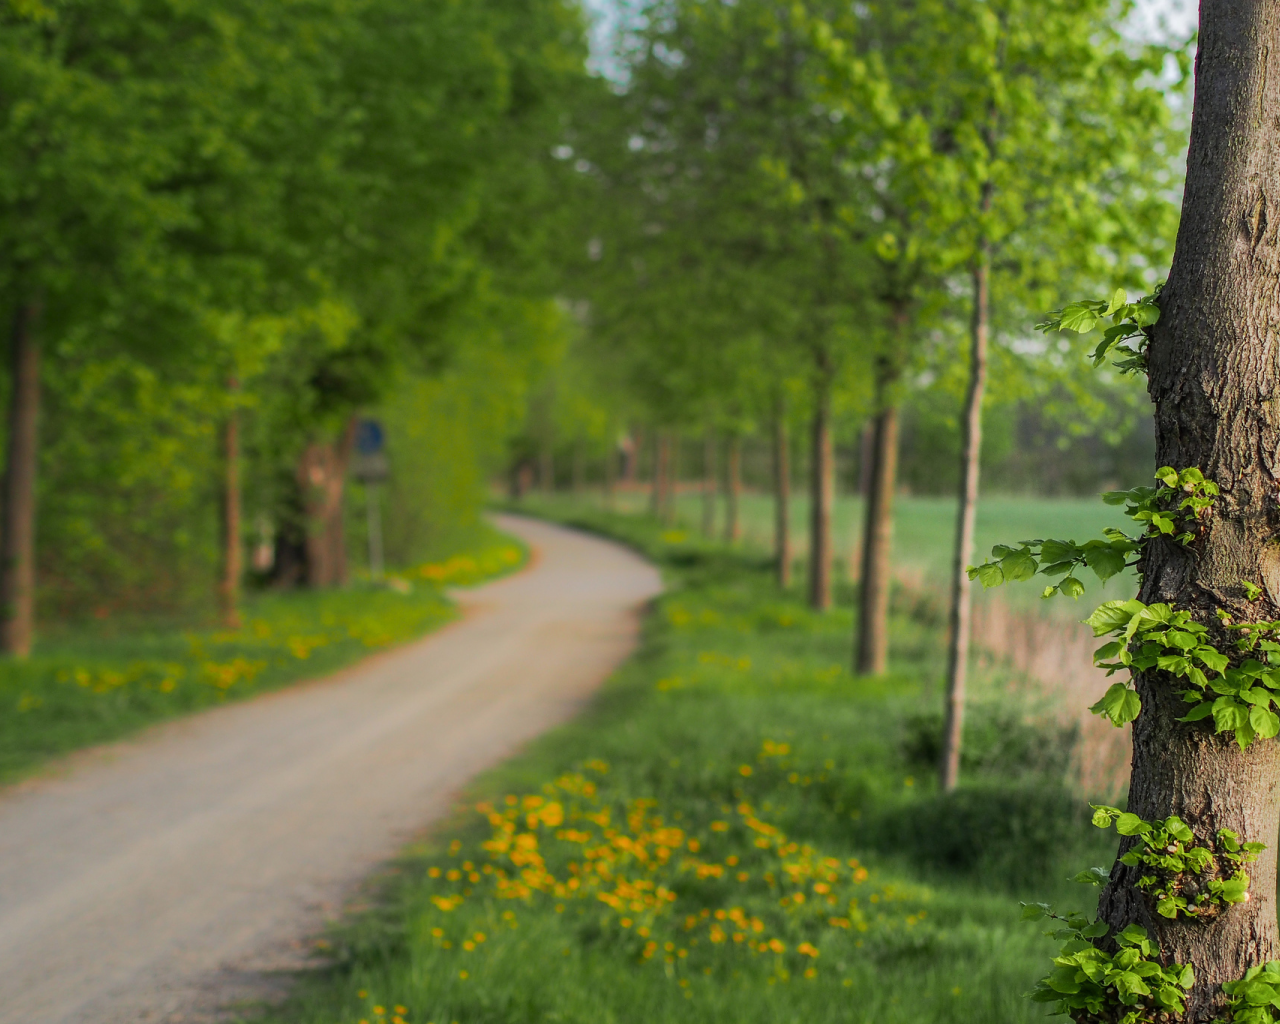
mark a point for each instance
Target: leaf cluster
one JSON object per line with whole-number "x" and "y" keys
{"x": 1255, "y": 998}
{"x": 1125, "y": 340}
{"x": 1185, "y": 877}
{"x": 1130, "y": 986}
{"x": 1154, "y": 505}
{"x": 1158, "y": 508}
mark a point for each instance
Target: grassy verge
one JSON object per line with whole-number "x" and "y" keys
{"x": 738, "y": 831}
{"x": 88, "y": 684}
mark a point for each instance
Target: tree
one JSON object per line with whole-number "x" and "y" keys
{"x": 1212, "y": 378}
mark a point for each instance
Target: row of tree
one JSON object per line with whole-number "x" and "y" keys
{"x": 810, "y": 208}
{"x": 227, "y": 227}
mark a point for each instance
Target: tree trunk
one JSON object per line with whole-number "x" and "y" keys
{"x": 610, "y": 475}
{"x": 657, "y": 493}
{"x": 672, "y": 490}
{"x": 821, "y": 497}
{"x": 18, "y": 540}
{"x": 781, "y": 495}
{"x": 232, "y": 559}
{"x": 966, "y": 513}
{"x": 709, "y": 484}
{"x": 733, "y": 491}
{"x": 1214, "y": 379}
{"x": 579, "y": 465}
{"x": 322, "y": 473}
{"x": 546, "y": 468}
{"x": 877, "y": 542}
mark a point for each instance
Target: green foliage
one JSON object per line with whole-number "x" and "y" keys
{"x": 1186, "y": 877}
{"x": 1255, "y": 998}
{"x": 1156, "y": 507}
{"x": 1130, "y": 986}
{"x": 1125, "y": 341}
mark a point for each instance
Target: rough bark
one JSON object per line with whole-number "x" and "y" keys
{"x": 232, "y": 549}
{"x": 733, "y": 491}
{"x": 18, "y": 536}
{"x": 1215, "y": 381}
{"x": 821, "y": 497}
{"x": 709, "y": 484}
{"x": 781, "y": 496}
{"x": 877, "y": 541}
{"x": 966, "y": 513}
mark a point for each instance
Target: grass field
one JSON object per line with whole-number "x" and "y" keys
{"x": 88, "y": 683}
{"x": 737, "y": 831}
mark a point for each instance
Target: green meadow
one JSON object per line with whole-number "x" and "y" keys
{"x": 737, "y": 830}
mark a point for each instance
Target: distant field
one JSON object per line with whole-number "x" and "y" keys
{"x": 924, "y": 528}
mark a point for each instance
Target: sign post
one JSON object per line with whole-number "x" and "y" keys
{"x": 371, "y": 469}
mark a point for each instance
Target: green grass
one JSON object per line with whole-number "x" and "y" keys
{"x": 732, "y": 766}
{"x": 88, "y": 683}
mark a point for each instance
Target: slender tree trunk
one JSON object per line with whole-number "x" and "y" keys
{"x": 18, "y": 539}
{"x": 873, "y": 610}
{"x": 579, "y": 465}
{"x": 966, "y": 513}
{"x": 232, "y": 549}
{"x": 546, "y": 467}
{"x": 657, "y": 496}
{"x": 709, "y": 484}
{"x": 1215, "y": 378}
{"x": 781, "y": 495}
{"x": 821, "y": 497}
{"x": 733, "y": 491}
{"x": 672, "y": 490}
{"x": 610, "y": 475}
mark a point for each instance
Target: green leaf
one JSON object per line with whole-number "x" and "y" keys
{"x": 1071, "y": 587}
{"x": 1129, "y": 824}
{"x": 989, "y": 574}
{"x": 1081, "y": 317}
{"x": 1111, "y": 616}
{"x": 1264, "y": 721}
{"x": 1168, "y": 476}
{"x": 1120, "y": 704}
{"x": 1035, "y": 911}
{"x": 1178, "y": 828}
{"x": 1104, "y": 561}
{"x": 1211, "y": 658}
{"x": 1198, "y": 712}
{"x": 1117, "y": 300}
{"x": 1093, "y": 876}
{"x": 1019, "y": 565}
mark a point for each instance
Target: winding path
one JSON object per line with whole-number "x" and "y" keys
{"x": 162, "y": 878}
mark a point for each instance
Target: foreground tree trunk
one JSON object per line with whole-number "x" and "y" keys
{"x": 1215, "y": 382}
{"x": 18, "y": 539}
{"x": 733, "y": 491}
{"x": 709, "y": 484}
{"x": 781, "y": 496}
{"x": 966, "y": 513}
{"x": 877, "y": 542}
{"x": 232, "y": 556}
{"x": 821, "y": 497}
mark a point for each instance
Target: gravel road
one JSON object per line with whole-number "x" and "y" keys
{"x": 170, "y": 876}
